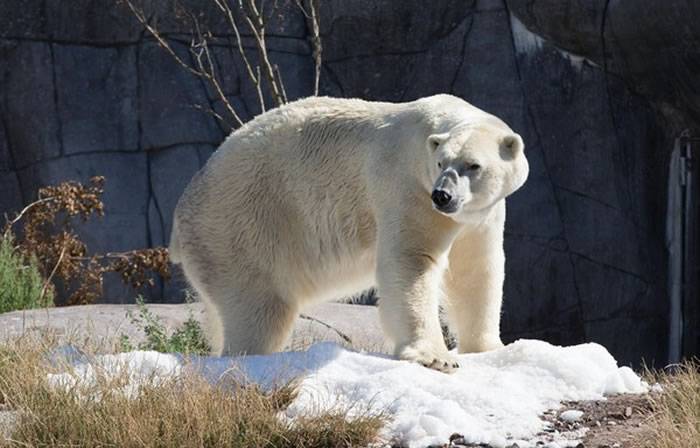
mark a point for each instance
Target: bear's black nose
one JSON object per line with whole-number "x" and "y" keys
{"x": 440, "y": 198}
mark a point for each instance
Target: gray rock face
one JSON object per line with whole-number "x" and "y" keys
{"x": 598, "y": 91}
{"x": 108, "y": 77}
{"x": 654, "y": 52}
{"x": 100, "y": 326}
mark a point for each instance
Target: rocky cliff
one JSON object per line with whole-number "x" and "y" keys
{"x": 598, "y": 89}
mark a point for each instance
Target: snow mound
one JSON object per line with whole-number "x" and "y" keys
{"x": 495, "y": 398}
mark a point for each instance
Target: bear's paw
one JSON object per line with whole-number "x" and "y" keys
{"x": 433, "y": 357}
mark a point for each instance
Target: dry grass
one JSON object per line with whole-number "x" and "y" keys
{"x": 184, "y": 412}
{"x": 674, "y": 420}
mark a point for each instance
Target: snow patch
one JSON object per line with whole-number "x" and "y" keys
{"x": 495, "y": 398}
{"x": 572, "y": 415}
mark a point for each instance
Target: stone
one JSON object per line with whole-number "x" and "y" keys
{"x": 640, "y": 340}
{"x": 598, "y": 92}
{"x": 91, "y": 22}
{"x": 103, "y": 324}
{"x": 650, "y": 51}
{"x": 18, "y": 19}
{"x": 97, "y": 98}
{"x": 6, "y": 158}
{"x": 170, "y": 170}
{"x": 32, "y": 124}
{"x": 168, "y": 100}
{"x": 282, "y": 18}
{"x": 541, "y": 284}
{"x": 488, "y": 66}
{"x": 11, "y": 197}
{"x": 419, "y": 26}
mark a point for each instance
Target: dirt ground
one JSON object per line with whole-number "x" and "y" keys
{"x": 618, "y": 422}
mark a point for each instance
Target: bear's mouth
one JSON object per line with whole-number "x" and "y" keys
{"x": 449, "y": 209}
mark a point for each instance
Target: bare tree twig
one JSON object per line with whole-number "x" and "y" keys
{"x": 257, "y": 26}
{"x": 49, "y": 279}
{"x": 253, "y": 74}
{"x": 24, "y": 211}
{"x": 342, "y": 335}
{"x": 279, "y": 79}
{"x": 313, "y": 22}
{"x": 203, "y": 63}
{"x": 141, "y": 17}
{"x": 211, "y": 112}
{"x": 209, "y": 71}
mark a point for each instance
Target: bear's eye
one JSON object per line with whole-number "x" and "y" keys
{"x": 473, "y": 167}
{"x": 440, "y": 165}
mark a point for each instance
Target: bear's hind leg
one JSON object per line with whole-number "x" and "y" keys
{"x": 255, "y": 325}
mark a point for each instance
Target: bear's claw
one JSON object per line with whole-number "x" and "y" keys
{"x": 443, "y": 366}
{"x": 436, "y": 359}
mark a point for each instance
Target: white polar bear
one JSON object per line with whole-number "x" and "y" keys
{"x": 323, "y": 198}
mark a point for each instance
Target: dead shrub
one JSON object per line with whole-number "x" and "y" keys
{"x": 43, "y": 231}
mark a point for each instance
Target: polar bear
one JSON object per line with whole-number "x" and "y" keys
{"x": 324, "y": 197}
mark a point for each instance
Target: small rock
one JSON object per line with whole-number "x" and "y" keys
{"x": 628, "y": 411}
{"x": 456, "y": 436}
{"x": 597, "y": 423}
{"x": 612, "y": 423}
{"x": 572, "y": 415}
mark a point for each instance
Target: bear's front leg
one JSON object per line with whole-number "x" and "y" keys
{"x": 409, "y": 279}
{"x": 474, "y": 285}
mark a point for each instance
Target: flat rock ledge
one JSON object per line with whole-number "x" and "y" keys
{"x": 102, "y": 325}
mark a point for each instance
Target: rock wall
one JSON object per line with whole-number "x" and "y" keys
{"x": 597, "y": 90}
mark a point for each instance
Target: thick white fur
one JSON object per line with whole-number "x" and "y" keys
{"x": 323, "y": 198}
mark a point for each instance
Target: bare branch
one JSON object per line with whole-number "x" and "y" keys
{"x": 257, "y": 27}
{"x": 24, "y": 211}
{"x": 141, "y": 17}
{"x": 313, "y": 22}
{"x": 279, "y": 79}
{"x": 210, "y": 111}
{"x": 49, "y": 279}
{"x": 258, "y": 87}
{"x": 223, "y": 5}
{"x": 342, "y": 335}
{"x": 209, "y": 71}
{"x": 203, "y": 63}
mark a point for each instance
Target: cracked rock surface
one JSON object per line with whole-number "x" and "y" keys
{"x": 102, "y": 325}
{"x": 598, "y": 91}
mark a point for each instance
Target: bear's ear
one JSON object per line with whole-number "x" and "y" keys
{"x": 436, "y": 140}
{"x": 511, "y": 146}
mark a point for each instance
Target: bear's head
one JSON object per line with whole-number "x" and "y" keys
{"x": 473, "y": 167}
